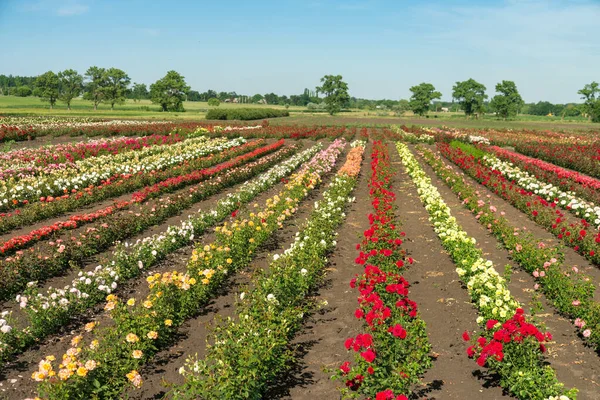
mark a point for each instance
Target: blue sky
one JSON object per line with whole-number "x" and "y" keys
{"x": 550, "y": 48}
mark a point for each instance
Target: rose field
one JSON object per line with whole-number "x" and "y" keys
{"x": 194, "y": 260}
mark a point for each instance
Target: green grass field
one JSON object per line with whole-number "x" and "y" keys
{"x": 144, "y": 109}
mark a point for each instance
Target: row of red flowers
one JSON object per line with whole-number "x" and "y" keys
{"x": 49, "y": 258}
{"x": 394, "y": 351}
{"x": 579, "y": 235}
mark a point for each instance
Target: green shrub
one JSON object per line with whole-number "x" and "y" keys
{"x": 245, "y": 113}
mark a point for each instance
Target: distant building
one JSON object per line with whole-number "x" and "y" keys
{"x": 445, "y": 109}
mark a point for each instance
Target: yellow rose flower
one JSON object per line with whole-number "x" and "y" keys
{"x": 90, "y": 326}
{"x": 132, "y": 338}
{"x": 75, "y": 341}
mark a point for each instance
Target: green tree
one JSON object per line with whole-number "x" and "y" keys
{"x": 402, "y": 107}
{"x": 595, "y": 111}
{"x": 114, "y": 87}
{"x": 470, "y": 95}
{"x": 336, "y": 93}
{"x": 23, "y": 91}
{"x": 422, "y": 96}
{"x": 271, "y": 98}
{"x": 256, "y": 98}
{"x": 589, "y": 93}
{"x": 71, "y": 85}
{"x": 93, "y": 88}
{"x": 509, "y": 102}
{"x": 46, "y": 87}
{"x": 139, "y": 91}
{"x": 169, "y": 92}
{"x": 213, "y": 102}
{"x": 193, "y": 95}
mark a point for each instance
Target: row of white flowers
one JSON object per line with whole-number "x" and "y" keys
{"x": 487, "y": 288}
{"x": 129, "y": 259}
{"x": 94, "y": 170}
{"x": 566, "y": 200}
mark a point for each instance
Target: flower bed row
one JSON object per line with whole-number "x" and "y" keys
{"x": 94, "y": 171}
{"x": 51, "y": 207}
{"x": 252, "y": 350}
{"x": 53, "y": 257}
{"x": 585, "y": 186}
{"x": 579, "y": 235}
{"x": 509, "y": 345}
{"x": 394, "y": 352}
{"x": 56, "y": 307}
{"x": 571, "y": 293}
{"x": 34, "y": 161}
{"x": 140, "y": 329}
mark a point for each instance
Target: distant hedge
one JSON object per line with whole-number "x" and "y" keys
{"x": 245, "y": 113}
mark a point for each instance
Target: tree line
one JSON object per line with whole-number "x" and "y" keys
{"x": 112, "y": 86}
